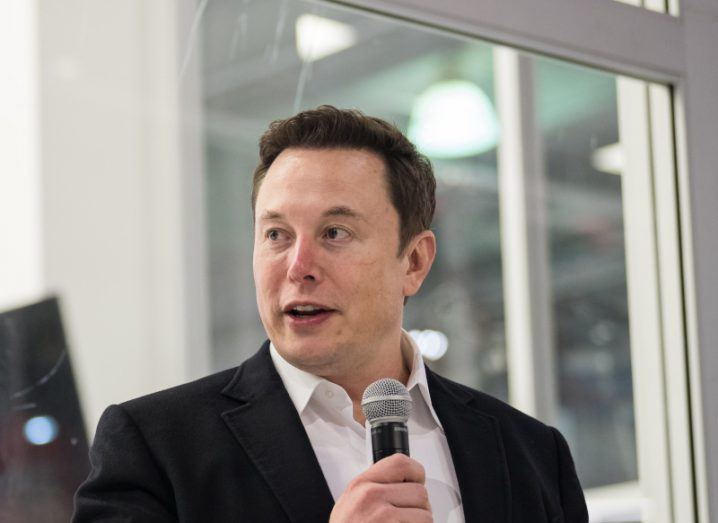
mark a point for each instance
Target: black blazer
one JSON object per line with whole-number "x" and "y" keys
{"x": 231, "y": 447}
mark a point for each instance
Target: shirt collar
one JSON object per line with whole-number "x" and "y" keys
{"x": 417, "y": 377}
{"x": 301, "y": 385}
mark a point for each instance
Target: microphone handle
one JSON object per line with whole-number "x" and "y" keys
{"x": 389, "y": 437}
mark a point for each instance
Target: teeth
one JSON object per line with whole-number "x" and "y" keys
{"x": 306, "y": 308}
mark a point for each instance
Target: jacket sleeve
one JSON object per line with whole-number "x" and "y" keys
{"x": 125, "y": 483}
{"x": 573, "y": 503}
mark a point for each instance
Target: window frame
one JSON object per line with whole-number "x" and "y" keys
{"x": 660, "y": 47}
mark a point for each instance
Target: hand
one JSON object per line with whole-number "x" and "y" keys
{"x": 391, "y": 490}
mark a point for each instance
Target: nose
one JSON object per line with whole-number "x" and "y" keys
{"x": 303, "y": 262}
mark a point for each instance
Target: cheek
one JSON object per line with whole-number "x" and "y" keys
{"x": 377, "y": 283}
{"x": 266, "y": 279}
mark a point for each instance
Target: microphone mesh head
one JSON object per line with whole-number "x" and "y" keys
{"x": 386, "y": 398}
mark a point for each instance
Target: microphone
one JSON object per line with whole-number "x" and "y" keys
{"x": 386, "y": 405}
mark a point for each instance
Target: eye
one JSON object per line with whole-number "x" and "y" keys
{"x": 275, "y": 235}
{"x": 337, "y": 233}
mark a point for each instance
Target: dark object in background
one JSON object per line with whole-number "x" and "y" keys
{"x": 43, "y": 448}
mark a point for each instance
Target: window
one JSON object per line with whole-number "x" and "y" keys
{"x": 545, "y": 173}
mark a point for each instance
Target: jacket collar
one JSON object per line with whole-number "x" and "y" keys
{"x": 477, "y": 451}
{"x": 301, "y": 385}
{"x": 268, "y": 428}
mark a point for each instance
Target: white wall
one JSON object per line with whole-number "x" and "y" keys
{"x": 115, "y": 168}
{"x": 20, "y": 203}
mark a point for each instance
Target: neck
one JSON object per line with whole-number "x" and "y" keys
{"x": 355, "y": 383}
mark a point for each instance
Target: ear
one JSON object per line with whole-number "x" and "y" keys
{"x": 418, "y": 257}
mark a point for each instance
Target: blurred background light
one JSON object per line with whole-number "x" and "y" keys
{"x": 40, "y": 430}
{"x": 608, "y": 159}
{"x": 453, "y": 119}
{"x": 319, "y": 37}
{"x": 432, "y": 344}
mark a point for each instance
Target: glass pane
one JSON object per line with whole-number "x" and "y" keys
{"x": 578, "y": 124}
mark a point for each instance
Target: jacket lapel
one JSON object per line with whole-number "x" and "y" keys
{"x": 477, "y": 451}
{"x": 268, "y": 428}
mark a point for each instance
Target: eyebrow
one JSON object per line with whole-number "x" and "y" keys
{"x": 344, "y": 211}
{"x": 339, "y": 210}
{"x": 270, "y": 215}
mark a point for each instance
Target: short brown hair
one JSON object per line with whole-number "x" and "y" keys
{"x": 410, "y": 177}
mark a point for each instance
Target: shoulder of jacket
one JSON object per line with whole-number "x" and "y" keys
{"x": 207, "y": 386}
{"x": 494, "y": 407}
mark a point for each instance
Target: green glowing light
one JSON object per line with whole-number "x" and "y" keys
{"x": 453, "y": 119}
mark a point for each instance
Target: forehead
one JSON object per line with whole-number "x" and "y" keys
{"x": 325, "y": 177}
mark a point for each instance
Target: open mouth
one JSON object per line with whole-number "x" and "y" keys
{"x": 306, "y": 311}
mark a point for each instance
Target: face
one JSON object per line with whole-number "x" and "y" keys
{"x": 330, "y": 286}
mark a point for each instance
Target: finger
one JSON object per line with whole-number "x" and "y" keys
{"x": 395, "y": 469}
{"x": 406, "y": 495}
{"x": 414, "y": 515}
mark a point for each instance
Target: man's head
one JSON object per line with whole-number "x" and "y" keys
{"x": 336, "y": 197}
{"x": 409, "y": 175}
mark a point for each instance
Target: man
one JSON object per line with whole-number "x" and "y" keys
{"x": 342, "y": 205}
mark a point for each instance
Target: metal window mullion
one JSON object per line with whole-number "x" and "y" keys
{"x": 524, "y": 240}
{"x": 670, "y": 288}
{"x": 644, "y": 301}
{"x": 673, "y": 326}
{"x": 696, "y": 202}
{"x": 599, "y": 33}
{"x": 696, "y": 120}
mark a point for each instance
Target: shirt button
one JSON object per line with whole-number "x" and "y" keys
{"x": 329, "y": 394}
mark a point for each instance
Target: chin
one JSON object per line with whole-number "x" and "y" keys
{"x": 307, "y": 355}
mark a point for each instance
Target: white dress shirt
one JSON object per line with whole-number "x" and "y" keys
{"x": 343, "y": 446}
